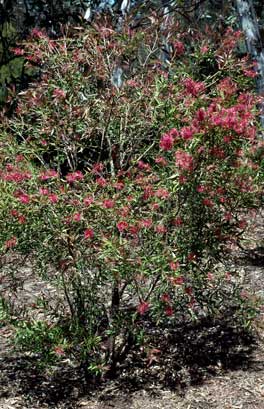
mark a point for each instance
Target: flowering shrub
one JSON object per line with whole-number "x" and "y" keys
{"x": 128, "y": 198}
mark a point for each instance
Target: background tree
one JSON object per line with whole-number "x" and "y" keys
{"x": 250, "y": 26}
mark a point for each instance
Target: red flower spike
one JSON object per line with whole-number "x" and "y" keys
{"x": 88, "y": 200}
{"x": 184, "y": 160}
{"x": 165, "y": 298}
{"x": 11, "y": 242}
{"x": 108, "y": 204}
{"x": 166, "y": 142}
{"x": 169, "y": 311}
{"x": 174, "y": 266}
{"x": 122, "y": 226}
{"x": 177, "y": 280}
{"x": 59, "y": 351}
{"x": 143, "y": 307}
{"x": 88, "y": 233}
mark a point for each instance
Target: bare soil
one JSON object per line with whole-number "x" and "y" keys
{"x": 203, "y": 366}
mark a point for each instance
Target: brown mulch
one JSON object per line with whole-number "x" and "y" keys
{"x": 208, "y": 367}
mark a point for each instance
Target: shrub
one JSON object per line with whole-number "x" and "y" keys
{"x": 129, "y": 197}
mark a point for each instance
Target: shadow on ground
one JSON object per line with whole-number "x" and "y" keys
{"x": 178, "y": 358}
{"x": 255, "y": 256}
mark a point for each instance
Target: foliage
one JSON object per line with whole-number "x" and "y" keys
{"x": 5, "y": 311}
{"x": 128, "y": 183}
{"x": 41, "y": 337}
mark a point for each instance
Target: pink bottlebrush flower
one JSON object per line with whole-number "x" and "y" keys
{"x": 239, "y": 152}
{"x": 133, "y": 229}
{"x": 188, "y": 290}
{"x": 162, "y": 193}
{"x": 200, "y": 115}
{"x": 244, "y": 294}
{"x": 191, "y": 257}
{"x": 88, "y": 233}
{"x": 193, "y": 87}
{"x": 204, "y": 49}
{"x": 78, "y": 175}
{"x": 251, "y": 133}
{"x": 53, "y": 198}
{"x": 201, "y": 189}
{"x": 161, "y": 161}
{"x": 250, "y": 73}
{"x": 59, "y": 351}
{"x": 155, "y": 206}
{"x": 97, "y": 168}
{"x": 165, "y": 298}
{"x": 101, "y": 182}
{"x": 227, "y": 138}
{"x": 19, "y": 158}
{"x": 43, "y": 191}
{"x": 36, "y": 33}
{"x": 161, "y": 229}
{"x": 16, "y": 176}
{"x": 144, "y": 166}
{"x": 227, "y": 87}
{"x": 74, "y": 202}
{"x": 169, "y": 311}
{"x": 72, "y": 177}
{"x": 184, "y": 160}
{"x": 130, "y": 198}
{"x": 58, "y": 93}
{"x": 148, "y": 192}
{"x": 132, "y": 83}
{"x": 18, "y": 51}
{"x": 177, "y": 280}
{"x": 14, "y": 213}
{"x": 88, "y": 200}
{"x": 208, "y": 202}
{"x": 119, "y": 185}
{"x": 77, "y": 217}
{"x": 146, "y": 223}
{"x": 21, "y": 219}
{"x": 182, "y": 179}
{"x": 124, "y": 211}
{"x": 143, "y": 307}
{"x": 217, "y": 153}
{"x": 242, "y": 224}
{"x": 24, "y": 198}
{"x": 177, "y": 221}
{"x": 187, "y": 132}
{"x": 210, "y": 277}
{"x": 153, "y": 356}
{"x": 201, "y": 149}
{"x": 67, "y": 220}
{"x": 174, "y": 265}
{"x": 12, "y": 242}
{"x": 178, "y": 47}
{"x": 228, "y": 216}
{"x": 166, "y": 142}
{"x": 108, "y": 203}
{"x": 10, "y": 167}
{"x": 174, "y": 133}
{"x": 227, "y": 276}
{"x": 48, "y": 174}
{"x": 122, "y": 226}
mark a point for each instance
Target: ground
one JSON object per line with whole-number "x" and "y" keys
{"x": 206, "y": 367}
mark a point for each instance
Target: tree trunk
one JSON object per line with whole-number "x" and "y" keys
{"x": 250, "y": 28}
